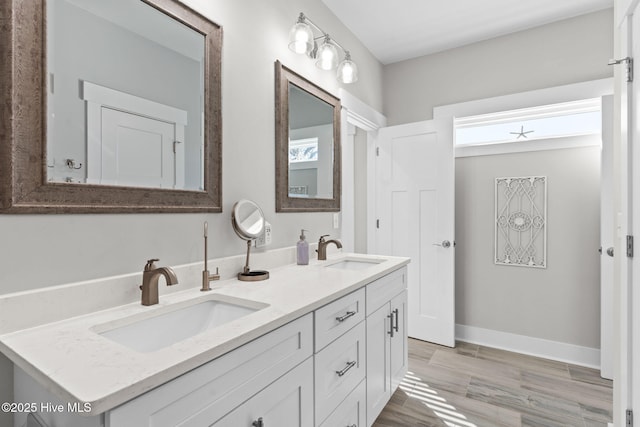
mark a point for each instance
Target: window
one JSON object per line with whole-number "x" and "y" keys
{"x": 303, "y": 150}
{"x": 558, "y": 122}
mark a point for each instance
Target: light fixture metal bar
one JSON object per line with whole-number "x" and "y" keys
{"x": 306, "y": 19}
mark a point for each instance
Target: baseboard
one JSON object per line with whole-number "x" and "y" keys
{"x": 554, "y": 350}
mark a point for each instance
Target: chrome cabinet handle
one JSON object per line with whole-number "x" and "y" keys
{"x": 346, "y": 316}
{"x": 258, "y": 423}
{"x": 390, "y": 332}
{"x": 353, "y": 425}
{"x": 346, "y": 368}
{"x": 395, "y": 313}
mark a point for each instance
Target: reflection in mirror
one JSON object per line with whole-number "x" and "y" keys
{"x": 310, "y": 145}
{"x": 124, "y": 99}
{"x": 102, "y": 93}
{"x": 307, "y": 145}
{"x": 248, "y": 223}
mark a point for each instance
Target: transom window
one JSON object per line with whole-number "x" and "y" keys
{"x": 569, "y": 119}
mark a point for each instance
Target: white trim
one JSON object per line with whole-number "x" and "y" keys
{"x": 553, "y": 95}
{"x": 559, "y": 143}
{"x": 356, "y": 113}
{"x": 360, "y": 114}
{"x": 116, "y": 99}
{"x": 539, "y": 347}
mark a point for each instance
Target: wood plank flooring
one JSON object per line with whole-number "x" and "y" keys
{"x": 476, "y": 386}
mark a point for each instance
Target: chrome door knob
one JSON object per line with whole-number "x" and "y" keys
{"x": 444, "y": 244}
{"x": 610, "y": 251}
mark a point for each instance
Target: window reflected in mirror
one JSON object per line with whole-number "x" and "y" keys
{"x": 310, "y": 145}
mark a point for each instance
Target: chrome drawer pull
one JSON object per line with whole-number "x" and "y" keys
{"x": 346, "y": 316}
{"x": 395, "y": 327}
{"x": 349, "y": 366}
{"x": 353, "y": 425}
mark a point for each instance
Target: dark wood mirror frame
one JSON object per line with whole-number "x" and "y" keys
{"x": 284, "y": 203}
{"x": 23, "y": 169}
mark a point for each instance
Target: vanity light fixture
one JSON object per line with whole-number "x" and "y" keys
{"x": 303, "y": 41}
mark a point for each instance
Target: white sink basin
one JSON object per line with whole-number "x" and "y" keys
{"x": 355, "y": 263}
{"x": 148, "y": 334}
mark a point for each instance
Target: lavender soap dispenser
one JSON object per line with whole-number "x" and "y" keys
{"x": 302, "y": 250}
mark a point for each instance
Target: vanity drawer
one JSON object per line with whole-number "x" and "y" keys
{"x": 352, "y": 410}
{"x": 336, "y": 318}
{"x": 339, "y": 368}
{"x": 215, "y": 388}
{"x": 385, "y": 288}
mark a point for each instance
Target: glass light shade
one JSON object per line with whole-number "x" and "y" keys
{"x": 301, "y": 38}
{"x": 327, "y": 58}
{"x": 347, "y": 71}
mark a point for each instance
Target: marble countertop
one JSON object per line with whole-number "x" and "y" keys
{"x": 71, "y": 360}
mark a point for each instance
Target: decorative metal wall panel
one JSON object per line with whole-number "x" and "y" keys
{"x": 521, "y": 221}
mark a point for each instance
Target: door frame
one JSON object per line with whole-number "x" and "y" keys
{"x": 356, "y": 113}
{"x": 552, "y": 95}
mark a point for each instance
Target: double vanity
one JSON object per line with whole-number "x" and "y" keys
{"x": 317, "y": 345}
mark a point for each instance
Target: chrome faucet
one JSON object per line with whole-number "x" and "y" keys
{"x": 150, "y": 278}
{"x": 322, "y": 246}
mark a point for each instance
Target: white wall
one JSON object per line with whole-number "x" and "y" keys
{"x": 560, "y": 303}
{"x": 46, "y": 250}
{"x": 569, "y": 51}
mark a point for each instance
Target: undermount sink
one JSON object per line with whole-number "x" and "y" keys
{"x": 355, "y": 263}
{"x": 150, "y": 334}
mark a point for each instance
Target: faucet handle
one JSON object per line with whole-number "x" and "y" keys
{"x": 323, "y": 236}
{"x": 150, "y": 265}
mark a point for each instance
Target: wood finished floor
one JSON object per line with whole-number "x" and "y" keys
{"x": 476, "y": 386}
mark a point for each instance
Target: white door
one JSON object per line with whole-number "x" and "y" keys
{"x": 634, "y": 226}
{"x": 136, "y": 150}
{"x": 606, "y": 241}
{"x": 627, "y": 305}
{"x": 415, "y": 218}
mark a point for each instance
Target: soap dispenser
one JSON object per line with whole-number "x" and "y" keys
{"x": 302, "y": 249}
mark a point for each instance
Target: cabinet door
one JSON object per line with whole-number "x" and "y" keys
{"x": 378, "y": 362}
{"x": 351, "y": 411}
{"x": 399, "y": 350}
{"x": 288, "y": 402}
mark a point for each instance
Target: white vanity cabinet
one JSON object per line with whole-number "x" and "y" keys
{"x": 288, "y": 402}
{"x": 335, "y": 366}
{"x": 387, "y": 352}
{"x": 340, "y": 335}
{"x": 202, "y": 396}
{"x": 258, "y": 374}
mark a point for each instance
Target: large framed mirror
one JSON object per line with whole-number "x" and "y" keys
{"x": 109, "y": 107}
{"x": 308, "y": 160}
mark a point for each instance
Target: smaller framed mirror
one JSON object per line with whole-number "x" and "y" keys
{"x": 308, "y": 160}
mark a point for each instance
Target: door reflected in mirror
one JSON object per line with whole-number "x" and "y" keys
{"x": 310, "y": 145}
{"x": 124, "y": 96}
{"x": 308, "y": 170}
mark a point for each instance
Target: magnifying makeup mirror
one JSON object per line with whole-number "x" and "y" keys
{"x": 248, "y": 223}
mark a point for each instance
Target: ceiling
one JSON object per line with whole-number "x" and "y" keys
{"x": 395, "y": 30}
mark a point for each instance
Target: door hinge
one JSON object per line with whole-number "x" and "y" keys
{"x": 377, "y": 223}
{"x": 377, "y": 151}
{"x": 630, "y": 246}
{"x": 629, "y": 418}
{"x": 629, "y": 62}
